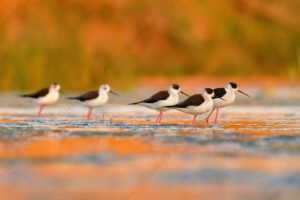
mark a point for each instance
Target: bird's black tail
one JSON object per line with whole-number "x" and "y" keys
{"x": 73, "y": 98}
{"x": 135, "y": 103}
{"x": 173, "y": 106}
{"x": 26, "y": 95}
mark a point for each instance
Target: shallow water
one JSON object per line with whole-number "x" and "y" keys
{"x": 251, "y": 153}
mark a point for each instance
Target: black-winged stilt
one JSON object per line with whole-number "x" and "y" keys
{"x": 196, "y": 104}
{"x": 161, "y": 99}
{"x": 45, "y": 96}
{"x": 224, "y": 97}
{"x": 95, "y": 98}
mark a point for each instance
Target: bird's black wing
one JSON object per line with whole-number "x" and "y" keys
{"x": 162, "y": 95}
{"x": 194, "y": 100}
{"x": 41, "y": 93}
{"x": 87, "y": 96}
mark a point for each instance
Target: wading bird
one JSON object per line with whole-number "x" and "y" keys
{"x": 161, "y": 99}
{"x": 95, "y": 98}
{"x": 45, "y": 96}
{"x": 196, "y": 104}
{"x": 224, "y": 97}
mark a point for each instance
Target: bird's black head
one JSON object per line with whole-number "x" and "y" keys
{"x": 233, "y": 85}
{"x": 209, "y": 91}
{"x": 175, "y": 86}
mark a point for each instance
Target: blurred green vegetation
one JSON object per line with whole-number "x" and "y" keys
{"x": 83, "y": 43}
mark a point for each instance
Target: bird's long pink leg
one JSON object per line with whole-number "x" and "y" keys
{"x": 217, "y": 115}
{"x": 90, "y": 113}
{"x": 41, "y": 109}
{"x": 161, "y": 113}
{"x": 158, "y": 119}
{"x": 194, "y": 120}
{"x": 209, "y": 115}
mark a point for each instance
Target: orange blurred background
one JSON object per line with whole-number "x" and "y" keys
{"x": 83, "y": 43}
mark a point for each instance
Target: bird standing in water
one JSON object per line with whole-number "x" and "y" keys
{"x": 45, "y": 96}
{"x": 161, "y": 99}
{"x": 95, "y": 98}
{"x": 196, "y": 104}
{"x": 224, "y": 97}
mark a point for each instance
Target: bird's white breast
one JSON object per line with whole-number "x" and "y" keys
{"x": 171, "y": 100}
{"x": 50, "y": 98}
{"x": 206, "y": 106}
{"x": 229, "y": 99}
{"x": 97, "y": 102}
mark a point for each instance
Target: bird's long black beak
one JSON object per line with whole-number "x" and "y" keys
{"x": 113, "y": 93}
{"x": 184, "y": 93}
{"x": 243, "y": 93}
{"x": 223, "y": 99}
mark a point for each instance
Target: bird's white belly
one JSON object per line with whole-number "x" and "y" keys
{"x": 203, "y": 108}
{"x": 229, "y": 99}
{"x": 49, "y": 98}
{"x": 171, "y": 100}
{"x": 95, "y": 102}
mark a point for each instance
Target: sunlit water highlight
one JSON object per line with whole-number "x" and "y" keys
{"x": 251, "y": 153}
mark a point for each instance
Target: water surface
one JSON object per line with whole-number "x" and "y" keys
{"x": 251, "y": 153}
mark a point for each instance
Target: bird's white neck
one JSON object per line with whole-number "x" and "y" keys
{"x": 54, "y": 92}
{"x": 103, "y": 94}
{"x": 206, "y": 96}
{"x": 230, "y": 95}
{"x": 173, "y": 93}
